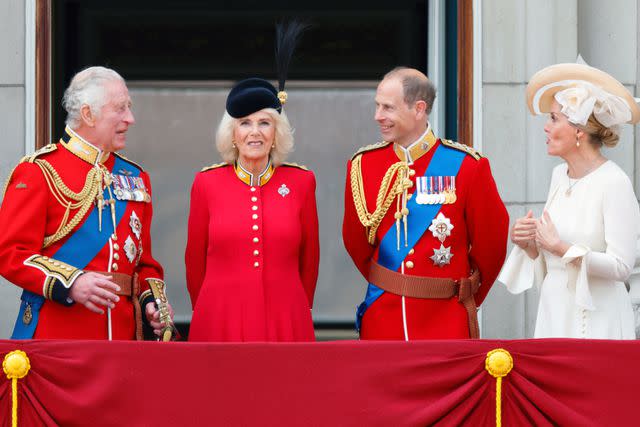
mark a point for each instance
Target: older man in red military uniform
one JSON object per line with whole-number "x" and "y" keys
{"x": 423, "y": 222}
{"x": 75, "y": 224}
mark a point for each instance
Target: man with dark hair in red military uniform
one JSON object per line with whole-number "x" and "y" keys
{"x": 423, "y": 222}
{"x": 75, "y": 225}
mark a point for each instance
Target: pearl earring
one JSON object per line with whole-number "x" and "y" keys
{"x": 577, "y": 142}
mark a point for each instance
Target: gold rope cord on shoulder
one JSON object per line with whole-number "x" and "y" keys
{"x": 69, "y": 199}
{"x": 394, "y": 183}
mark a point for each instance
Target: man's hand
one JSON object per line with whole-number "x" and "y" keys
{"x": 153, "y": 316}
{"x": 94, "y": 290}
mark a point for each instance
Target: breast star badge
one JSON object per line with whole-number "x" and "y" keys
{"x": 441, "y": 227}
{"x": 442, "y": 256}
{"x": 130, "y": 249}
{"x": 135, "y": 224}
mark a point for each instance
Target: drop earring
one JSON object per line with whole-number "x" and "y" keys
{"x": 577, "y": 142}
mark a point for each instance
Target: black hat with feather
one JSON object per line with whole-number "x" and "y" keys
{"x": 254, "y": 94}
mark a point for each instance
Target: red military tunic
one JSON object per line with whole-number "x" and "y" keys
{"x": 31, "y": 210}
{"x": 480, "y": 226}
{"x": 252, "y": 254}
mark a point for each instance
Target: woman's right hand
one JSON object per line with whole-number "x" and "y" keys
{"x": 523, "y": 232}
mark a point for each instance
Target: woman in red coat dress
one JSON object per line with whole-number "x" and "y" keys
{"x": 252, "y": 251}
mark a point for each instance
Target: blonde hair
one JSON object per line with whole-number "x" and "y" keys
{"x": 600, "y": 135}
{"x": 282, "y": 144}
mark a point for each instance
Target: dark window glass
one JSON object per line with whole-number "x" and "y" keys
{"x": 222, "y": 40}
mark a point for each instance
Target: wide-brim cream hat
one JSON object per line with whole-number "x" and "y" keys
{"x": 544, "y": 85}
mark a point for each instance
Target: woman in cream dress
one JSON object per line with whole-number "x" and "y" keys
{"x": 583, "y": 247}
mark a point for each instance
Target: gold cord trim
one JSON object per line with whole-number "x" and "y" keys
{"x": 97, "y": 179}
{"x": 394, "y": 184}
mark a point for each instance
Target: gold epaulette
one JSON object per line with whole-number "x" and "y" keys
{"x": 214, "y": 166}
{"x": 295, "y": 165}
{"x": 128, "y": 160}
{"x": 462, "y": 147}
{"x": 370, "y": 147}
{"x": 49, "y": 148}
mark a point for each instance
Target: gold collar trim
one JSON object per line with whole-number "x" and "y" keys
{"x": 252, "y": 180}
{"x": 82, "y": 148}
{"x": 417, "y": 149}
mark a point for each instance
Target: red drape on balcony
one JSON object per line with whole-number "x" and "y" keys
{"x": 444, "y": 383}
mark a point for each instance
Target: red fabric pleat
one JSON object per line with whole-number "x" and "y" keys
{"x": 442, "y": 383}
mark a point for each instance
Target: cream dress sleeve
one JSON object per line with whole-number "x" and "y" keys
{"x": 621, "y": 217}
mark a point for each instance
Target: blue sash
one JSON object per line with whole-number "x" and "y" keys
{"x": 446, "y": 161}
{"x": 79, "y": 249}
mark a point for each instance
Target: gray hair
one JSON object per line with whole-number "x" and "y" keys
{"x": 87, "y": 88}
{"x": 415, "y": 85}
{"x": 283, "y": 139}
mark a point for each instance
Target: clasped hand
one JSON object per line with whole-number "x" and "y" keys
{"x": 537, "y": 233}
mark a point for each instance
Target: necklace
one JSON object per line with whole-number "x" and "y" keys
{"x": 572, "y": 184}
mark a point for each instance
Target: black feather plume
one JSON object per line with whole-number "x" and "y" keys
{"x": 287, "y": 37}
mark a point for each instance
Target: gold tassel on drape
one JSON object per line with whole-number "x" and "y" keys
{"x": 16, "y": 365}
{"x": 498, "y": 363}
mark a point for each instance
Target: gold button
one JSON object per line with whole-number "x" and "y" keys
{"x": 256, "y": 252}
{"x": 68, "y": 268}
{"x": 114, "y": 237}
{"x": 114, "y": 267}
{"x": 409, "y": 196}
{"x": 254, "y": 216}
{"x": 254, "y": 199}
{"x": 253, "y": 188}
{"x": 254, "y": 207}
{"x": 411, "y": 172}
{"x": 56, "y": 264}
{"x": 256, "y": 264}
{"x": 256, "y": 240}
{"x": 45, "y": 258}
{"x": 409, "y": 264}
{"x": 116, "y": 257}
{"x": 255, "y": 227}
{"x": 412, "y": 251}
{"x": 116, "y": 246}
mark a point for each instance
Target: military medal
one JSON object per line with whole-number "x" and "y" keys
{"x": 130, "y": 249}
{"x": 135, "y": 224}
{"x": 440, "y": 191}
{"x": 442, "y": 256}
{"x": 441, "y": 227}
{"x": 283, "y": 190}
{"x": 431, "y": 199}
{"x": 130, "y": 188}
{"x": 421, "y": 190}
{"x": 452, "y": 189}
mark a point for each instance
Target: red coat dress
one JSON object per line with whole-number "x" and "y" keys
{"x": 31, "y": 210}
{"x": 479, "y": 235}
{"x": 252, "y": 254}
